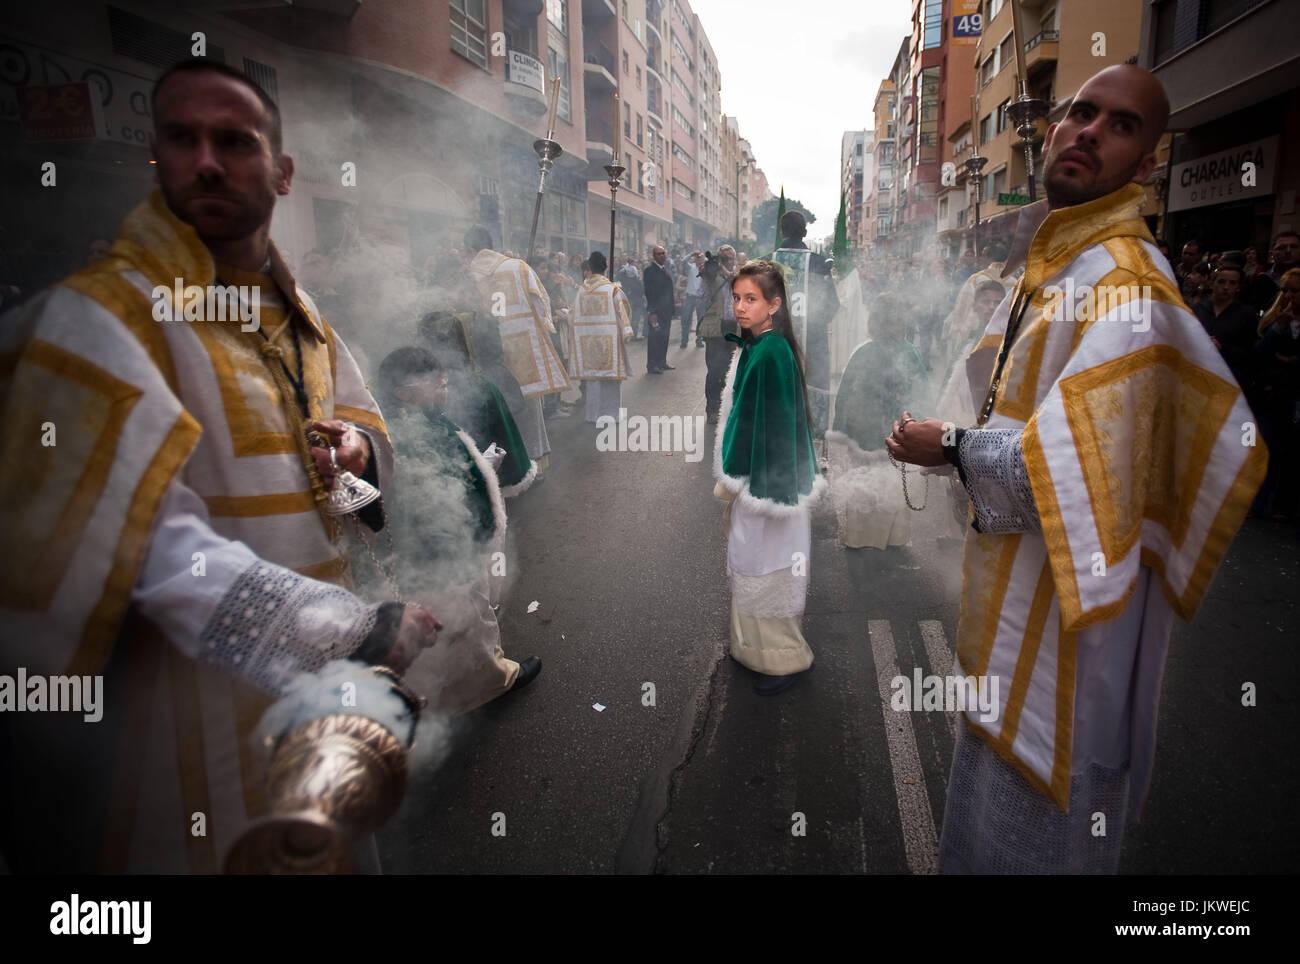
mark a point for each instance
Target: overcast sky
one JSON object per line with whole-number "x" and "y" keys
{"x": 841, "y": 49}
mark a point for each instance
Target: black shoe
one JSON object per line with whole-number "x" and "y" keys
{"x": 699, "y": 342}
{"x": 771, "y": 685}
{"x": 669, "y": 368}
{"x": 654, "y": 371}
{"x": 529, "y": 669}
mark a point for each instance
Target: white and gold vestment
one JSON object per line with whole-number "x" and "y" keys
{"x": 1108, "y": 482}
{"x": 172, "y": 533}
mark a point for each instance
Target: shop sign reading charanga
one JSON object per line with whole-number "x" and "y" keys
{"x": 1245, "y": 171}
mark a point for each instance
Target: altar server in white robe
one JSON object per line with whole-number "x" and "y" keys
{"x": 512, "y": 293}
{"x": 601, "y": 324}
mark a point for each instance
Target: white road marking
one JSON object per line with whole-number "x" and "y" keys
{"x": 941, "y": 658}
{"x": 919, "y": 837}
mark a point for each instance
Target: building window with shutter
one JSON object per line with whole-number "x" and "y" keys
{"x": 557, "y": 12}
{"x": 469, "y": 30}
{"x": 559, "y": 67}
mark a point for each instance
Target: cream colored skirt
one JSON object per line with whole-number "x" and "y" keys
{"x": 767, "y": 563}
{"x": 466, "y": 667}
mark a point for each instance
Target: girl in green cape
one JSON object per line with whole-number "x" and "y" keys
{"x": 767, "y": 473}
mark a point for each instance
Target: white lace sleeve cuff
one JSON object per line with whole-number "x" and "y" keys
{"x": 273, "y": 624}
{"x": 993, "y": 471}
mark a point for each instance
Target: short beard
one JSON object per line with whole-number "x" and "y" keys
{"x": 1067, "y": 193}
{"x": 246, "y": 223}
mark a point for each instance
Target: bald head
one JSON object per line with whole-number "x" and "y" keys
{"x": 1148, "y": 93}
{"x": 1107, "y": 138}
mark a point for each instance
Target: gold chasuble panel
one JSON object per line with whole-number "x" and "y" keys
{"x": 519, "y": 357}
{"x": 988, "y": 560}
{"x": 597, "y": 352}
{"x": 1118, "y": 413}
{"x": 254, "y": 408}
{"x": 52, "y": 489}
{"x": 1018, "y": 393}
{"x": 594, "y": 304}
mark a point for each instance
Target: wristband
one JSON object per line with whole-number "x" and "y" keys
{"x": 950, "y": 451}
{"x": 380, "y": 640}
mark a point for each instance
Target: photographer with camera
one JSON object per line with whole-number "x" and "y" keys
{"x": 717, "y": 319}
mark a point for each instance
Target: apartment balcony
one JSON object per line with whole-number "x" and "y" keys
{"x": 654, "y": 58}
{"x": 600, "y": 142}
{"x": 1041, "y": 50}
{"x": 599, "y": 68}
{"x": 1238, "y": 55}
{"x": 598, "y": 11}
{"x": 656, "y": 103}
{"x": 654, "y": 10}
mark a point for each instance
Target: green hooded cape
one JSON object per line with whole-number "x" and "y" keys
{"x": 765, "y": 452}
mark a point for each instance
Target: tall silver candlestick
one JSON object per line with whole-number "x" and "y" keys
{"x": 1023, "y": 112}
{"x": 974, "y": 165}
{"x": 615, "y": 172}
{"x": 547, "y": 151}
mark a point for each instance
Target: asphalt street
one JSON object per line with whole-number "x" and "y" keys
{"x": 624, "y": 554}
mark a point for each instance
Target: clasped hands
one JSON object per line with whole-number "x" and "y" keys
{"x": 352, "y": 449}
{"x": 918, "y": 443}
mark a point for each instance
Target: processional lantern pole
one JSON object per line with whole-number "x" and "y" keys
{"x": 615, "y": 170}
{"x": 974, "y": 165}
{"x": 1025, "y": 110}
{"x": 547, "y": 151}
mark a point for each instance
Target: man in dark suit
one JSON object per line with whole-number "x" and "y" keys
{"x": 659, "y": 311}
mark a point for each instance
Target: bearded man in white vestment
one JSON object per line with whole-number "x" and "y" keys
{"x": 601, "y": 323}
{"x": 1107, "y": 478}
{"x": 173, "y": 532}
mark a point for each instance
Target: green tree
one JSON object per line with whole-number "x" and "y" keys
{"x": 841, "y": 244}
{"x": 764, "y": 223}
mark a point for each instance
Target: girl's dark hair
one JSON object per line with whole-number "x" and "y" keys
{"x": 770, "y": 278}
